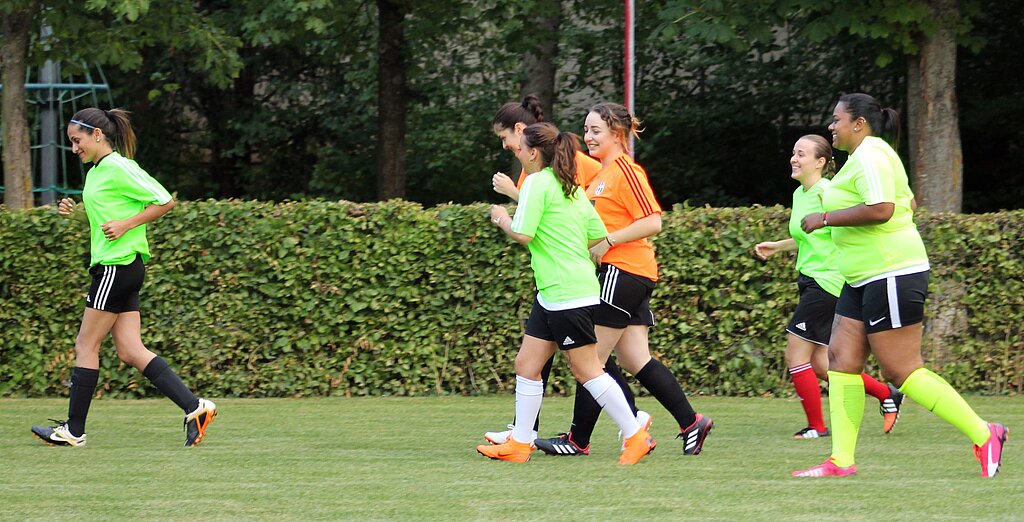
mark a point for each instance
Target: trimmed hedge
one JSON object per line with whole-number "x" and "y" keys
{"x": 253, "y": 299}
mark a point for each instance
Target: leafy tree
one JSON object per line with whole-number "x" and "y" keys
{"x": 926, "y": 32}
{"x": 16, "y": 143}
{"x": 103, "y": 32}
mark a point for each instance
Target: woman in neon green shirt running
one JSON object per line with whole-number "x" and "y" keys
{"x": 558, "y": 224}
{"x": 819, "y": 283}
{"x": 119, "y": 199}
{"x": 870, "y": 210}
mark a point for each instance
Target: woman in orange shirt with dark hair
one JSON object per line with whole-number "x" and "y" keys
{"x": 508, "y": 124}
{"x": 628, "y": 271}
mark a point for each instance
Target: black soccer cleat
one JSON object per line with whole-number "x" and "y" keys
{"x": 810, "y": 433}
{"x": 693, "y": 436}
{"x": 889, "y": 408}
{"x": 561, "y": 445}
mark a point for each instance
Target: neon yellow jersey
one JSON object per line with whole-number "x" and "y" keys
{"x": 875, "y": 174}
{"x": 117, "y": 189}
{"x": 816, "y": 255}
{"x": 561, "y": 228}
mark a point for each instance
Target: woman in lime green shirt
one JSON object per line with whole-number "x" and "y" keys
{"x": 556, "y": 221}
{"x": 870, "y": 210}
{"x": 119, "y": 199}
{"x": 819, "y": 283}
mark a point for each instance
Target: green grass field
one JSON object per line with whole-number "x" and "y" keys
{"x": 414, "y": 458}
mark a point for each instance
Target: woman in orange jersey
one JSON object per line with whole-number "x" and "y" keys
{"x": 622, "y": 196}
{"x": 508, "y": 124}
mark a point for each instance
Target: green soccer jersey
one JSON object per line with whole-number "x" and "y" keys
{"x": 561, "y": 229}
{"x": 816, "y": 256}
{"x": 116, "y": 189}
{"x": 874, "y": 174}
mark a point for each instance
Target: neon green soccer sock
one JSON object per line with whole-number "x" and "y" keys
{"x": 846, "y": 409}
{"x": 933, "y": 392}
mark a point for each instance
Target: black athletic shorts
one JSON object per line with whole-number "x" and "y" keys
{"x": 115, "y": 288}
{"x": 812, "y": 320}
{"x": 886, "y": 304}
{"x": 625, "y": 298}
{"x": 567, "y": 328}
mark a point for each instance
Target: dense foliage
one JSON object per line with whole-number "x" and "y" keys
{"x": 318, "y": 298}
{"x": 724, "y": 88}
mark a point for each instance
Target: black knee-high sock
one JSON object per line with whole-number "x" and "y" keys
{"x": 83, "y": 385}
{"x": 613, "y": 369}
{"x": 665, "y": 387}
{"x": 165, "y": 380}
{"x": 586, "y": 410}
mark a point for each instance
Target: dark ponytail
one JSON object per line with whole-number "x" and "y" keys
{"x": 116, "y": 127}
{"x": 557, "y": 150}
{"x": 882, "y": 122}
{"x": 528, "y": 112}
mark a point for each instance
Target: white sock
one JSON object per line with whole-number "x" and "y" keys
{"x": 529, "y": 395}
{"x": 607, "y": 393}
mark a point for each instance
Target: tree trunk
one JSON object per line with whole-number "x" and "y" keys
{"x": 17, "y": 156}
{"x": 936, "y": 156}
{"x": 539, "y": 60}
{"x": 391, "y": 100}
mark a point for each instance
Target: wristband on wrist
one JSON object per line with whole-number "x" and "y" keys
{"x": 824, "y": 219}
{"x": 608, "y": 240}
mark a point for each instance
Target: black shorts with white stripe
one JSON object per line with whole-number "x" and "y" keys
{"x": 886, "y": 304}
{"x": 625, "y": 298}
{"x": 812, "y": 320}
{"x": 568, "y": 329}
{"x": 115, "y": 288}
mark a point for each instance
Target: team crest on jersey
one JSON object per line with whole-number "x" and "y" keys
{"x": 599, "y": 189}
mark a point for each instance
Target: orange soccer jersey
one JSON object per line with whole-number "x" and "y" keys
{"x": 621, "y": 195}
{"x": 586, "y": 169}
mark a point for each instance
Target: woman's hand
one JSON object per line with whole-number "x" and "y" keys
{"x": 65, "y": 207}
{"x": 812, "y": 222}
{"x": 115, "y": 229}
{"x": 598, "y": 251}
{"x": 504, "y": 185}
{"x": 765, "y": 249}
{"x": 499, "y": 215}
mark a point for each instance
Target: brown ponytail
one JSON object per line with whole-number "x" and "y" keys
{"x": 116, "y": 127}
{"x": 557, "y": 150}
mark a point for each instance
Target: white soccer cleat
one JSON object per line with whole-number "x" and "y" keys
{"x": 58, "y": 435}
{"x": 501, "y": 437}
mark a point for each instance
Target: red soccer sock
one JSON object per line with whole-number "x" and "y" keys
{"x": 874, "y": 388}
{"x": 807, "y": 388}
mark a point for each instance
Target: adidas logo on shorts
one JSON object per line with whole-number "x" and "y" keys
{"x": 802, "y": 326}
{"x": 568, "y": 340}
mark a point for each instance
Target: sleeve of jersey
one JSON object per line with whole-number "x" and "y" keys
{"x": 586, "y": 169}
{"x": 877, "y": 183}
{"x": 595, "y": 227}
{"x": 530, "y": 208}
{"x": 639, "y": 197}
{"x": 140, "y": 186}
{"x": 522, "y": 180}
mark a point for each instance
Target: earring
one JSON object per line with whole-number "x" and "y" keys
{"x": 97, "y": 140}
